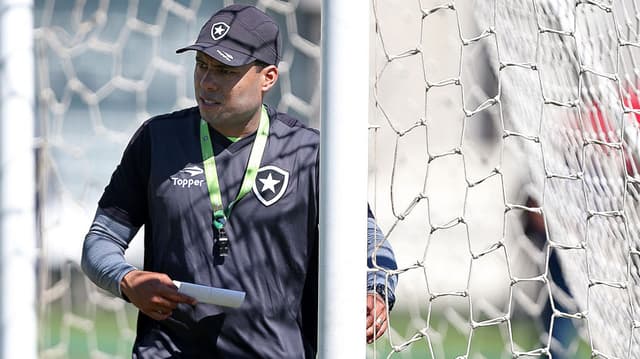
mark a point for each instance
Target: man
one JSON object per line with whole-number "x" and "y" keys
{"x": 228, "y": 194}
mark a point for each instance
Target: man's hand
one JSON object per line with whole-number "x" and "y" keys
{"x": 153, "y": 293}
{"x": 376, "y": 316}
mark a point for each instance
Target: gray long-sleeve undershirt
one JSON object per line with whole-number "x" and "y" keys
{"x": 103, "y": 252}
{"x": 104, "y": 247}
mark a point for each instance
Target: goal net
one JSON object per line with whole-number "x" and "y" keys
{"x": 506, "y": 176}
{"x": 503, "y": 163}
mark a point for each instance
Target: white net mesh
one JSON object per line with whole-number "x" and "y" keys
{"x": 103, "y": 67}
{"x": 506, "y": 172}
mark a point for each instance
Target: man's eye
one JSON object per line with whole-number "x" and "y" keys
{"x": 225, "y": 71}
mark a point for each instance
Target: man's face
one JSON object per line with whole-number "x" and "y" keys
{"x": 227, "y": 97}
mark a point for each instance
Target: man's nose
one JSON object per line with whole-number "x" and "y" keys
{"x": 208, "y": 81}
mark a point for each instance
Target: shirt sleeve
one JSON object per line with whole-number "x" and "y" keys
{"x": 309, "y": 306}
{"x": 122, "y": 210}
{"x": 125, "y": 197}
{"x": 380, "y": 260}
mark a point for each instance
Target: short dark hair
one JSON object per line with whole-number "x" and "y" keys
{"x": 260, "y": 64}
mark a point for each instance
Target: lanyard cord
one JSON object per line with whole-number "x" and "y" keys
{"x": 220, "y": 214}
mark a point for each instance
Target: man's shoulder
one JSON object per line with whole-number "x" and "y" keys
{"x": 292, "y": 126}
{"x": 161, "y": 125}
{"x": 174, "y": 118}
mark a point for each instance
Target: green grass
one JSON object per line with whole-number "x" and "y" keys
{"x": 78, "y": 334}
{"x": 77, "y": 338}
{"x": 444, "y": 340}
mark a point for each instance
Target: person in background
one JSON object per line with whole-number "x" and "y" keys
{"x": 563, "y": 331}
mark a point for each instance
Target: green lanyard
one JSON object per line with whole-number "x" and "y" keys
{"x": 220, "y": 214}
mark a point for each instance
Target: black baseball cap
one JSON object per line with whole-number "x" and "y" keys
{"x": 238, "y": 35}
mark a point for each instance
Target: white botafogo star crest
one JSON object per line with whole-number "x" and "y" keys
{"x": 219, "y": 30}
{"x": 269, "y": 183}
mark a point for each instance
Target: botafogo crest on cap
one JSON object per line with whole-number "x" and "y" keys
{"x": 219, "y": 30}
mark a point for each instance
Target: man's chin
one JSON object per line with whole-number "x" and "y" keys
{"x": 212, "y": 117}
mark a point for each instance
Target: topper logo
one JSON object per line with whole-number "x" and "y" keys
{"x": 179, "y": 179}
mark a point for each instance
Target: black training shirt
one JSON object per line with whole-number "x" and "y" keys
{"x": 273, "y": 235}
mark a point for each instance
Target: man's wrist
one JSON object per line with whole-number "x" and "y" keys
{"x": 386, "y": 295}
{"x": 122, "y": 284}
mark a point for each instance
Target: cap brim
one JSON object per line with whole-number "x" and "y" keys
{"x": 223, "y": 54}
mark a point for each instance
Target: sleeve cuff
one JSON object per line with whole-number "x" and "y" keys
{"x": 385, "y": 293}
{"x": 123, "y": 273}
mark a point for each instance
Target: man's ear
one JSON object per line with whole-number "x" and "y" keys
{"x": 269, "y": 76}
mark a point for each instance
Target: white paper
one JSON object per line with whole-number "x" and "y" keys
{"x": 211, "y": 295}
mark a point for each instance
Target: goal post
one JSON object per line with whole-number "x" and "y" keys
{"x": 18, "y": 334}
{"x": 343, "y": 178}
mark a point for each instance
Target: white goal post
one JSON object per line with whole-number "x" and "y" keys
{"x": 18, "y": 334}
{"x": 343, "y": 173}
